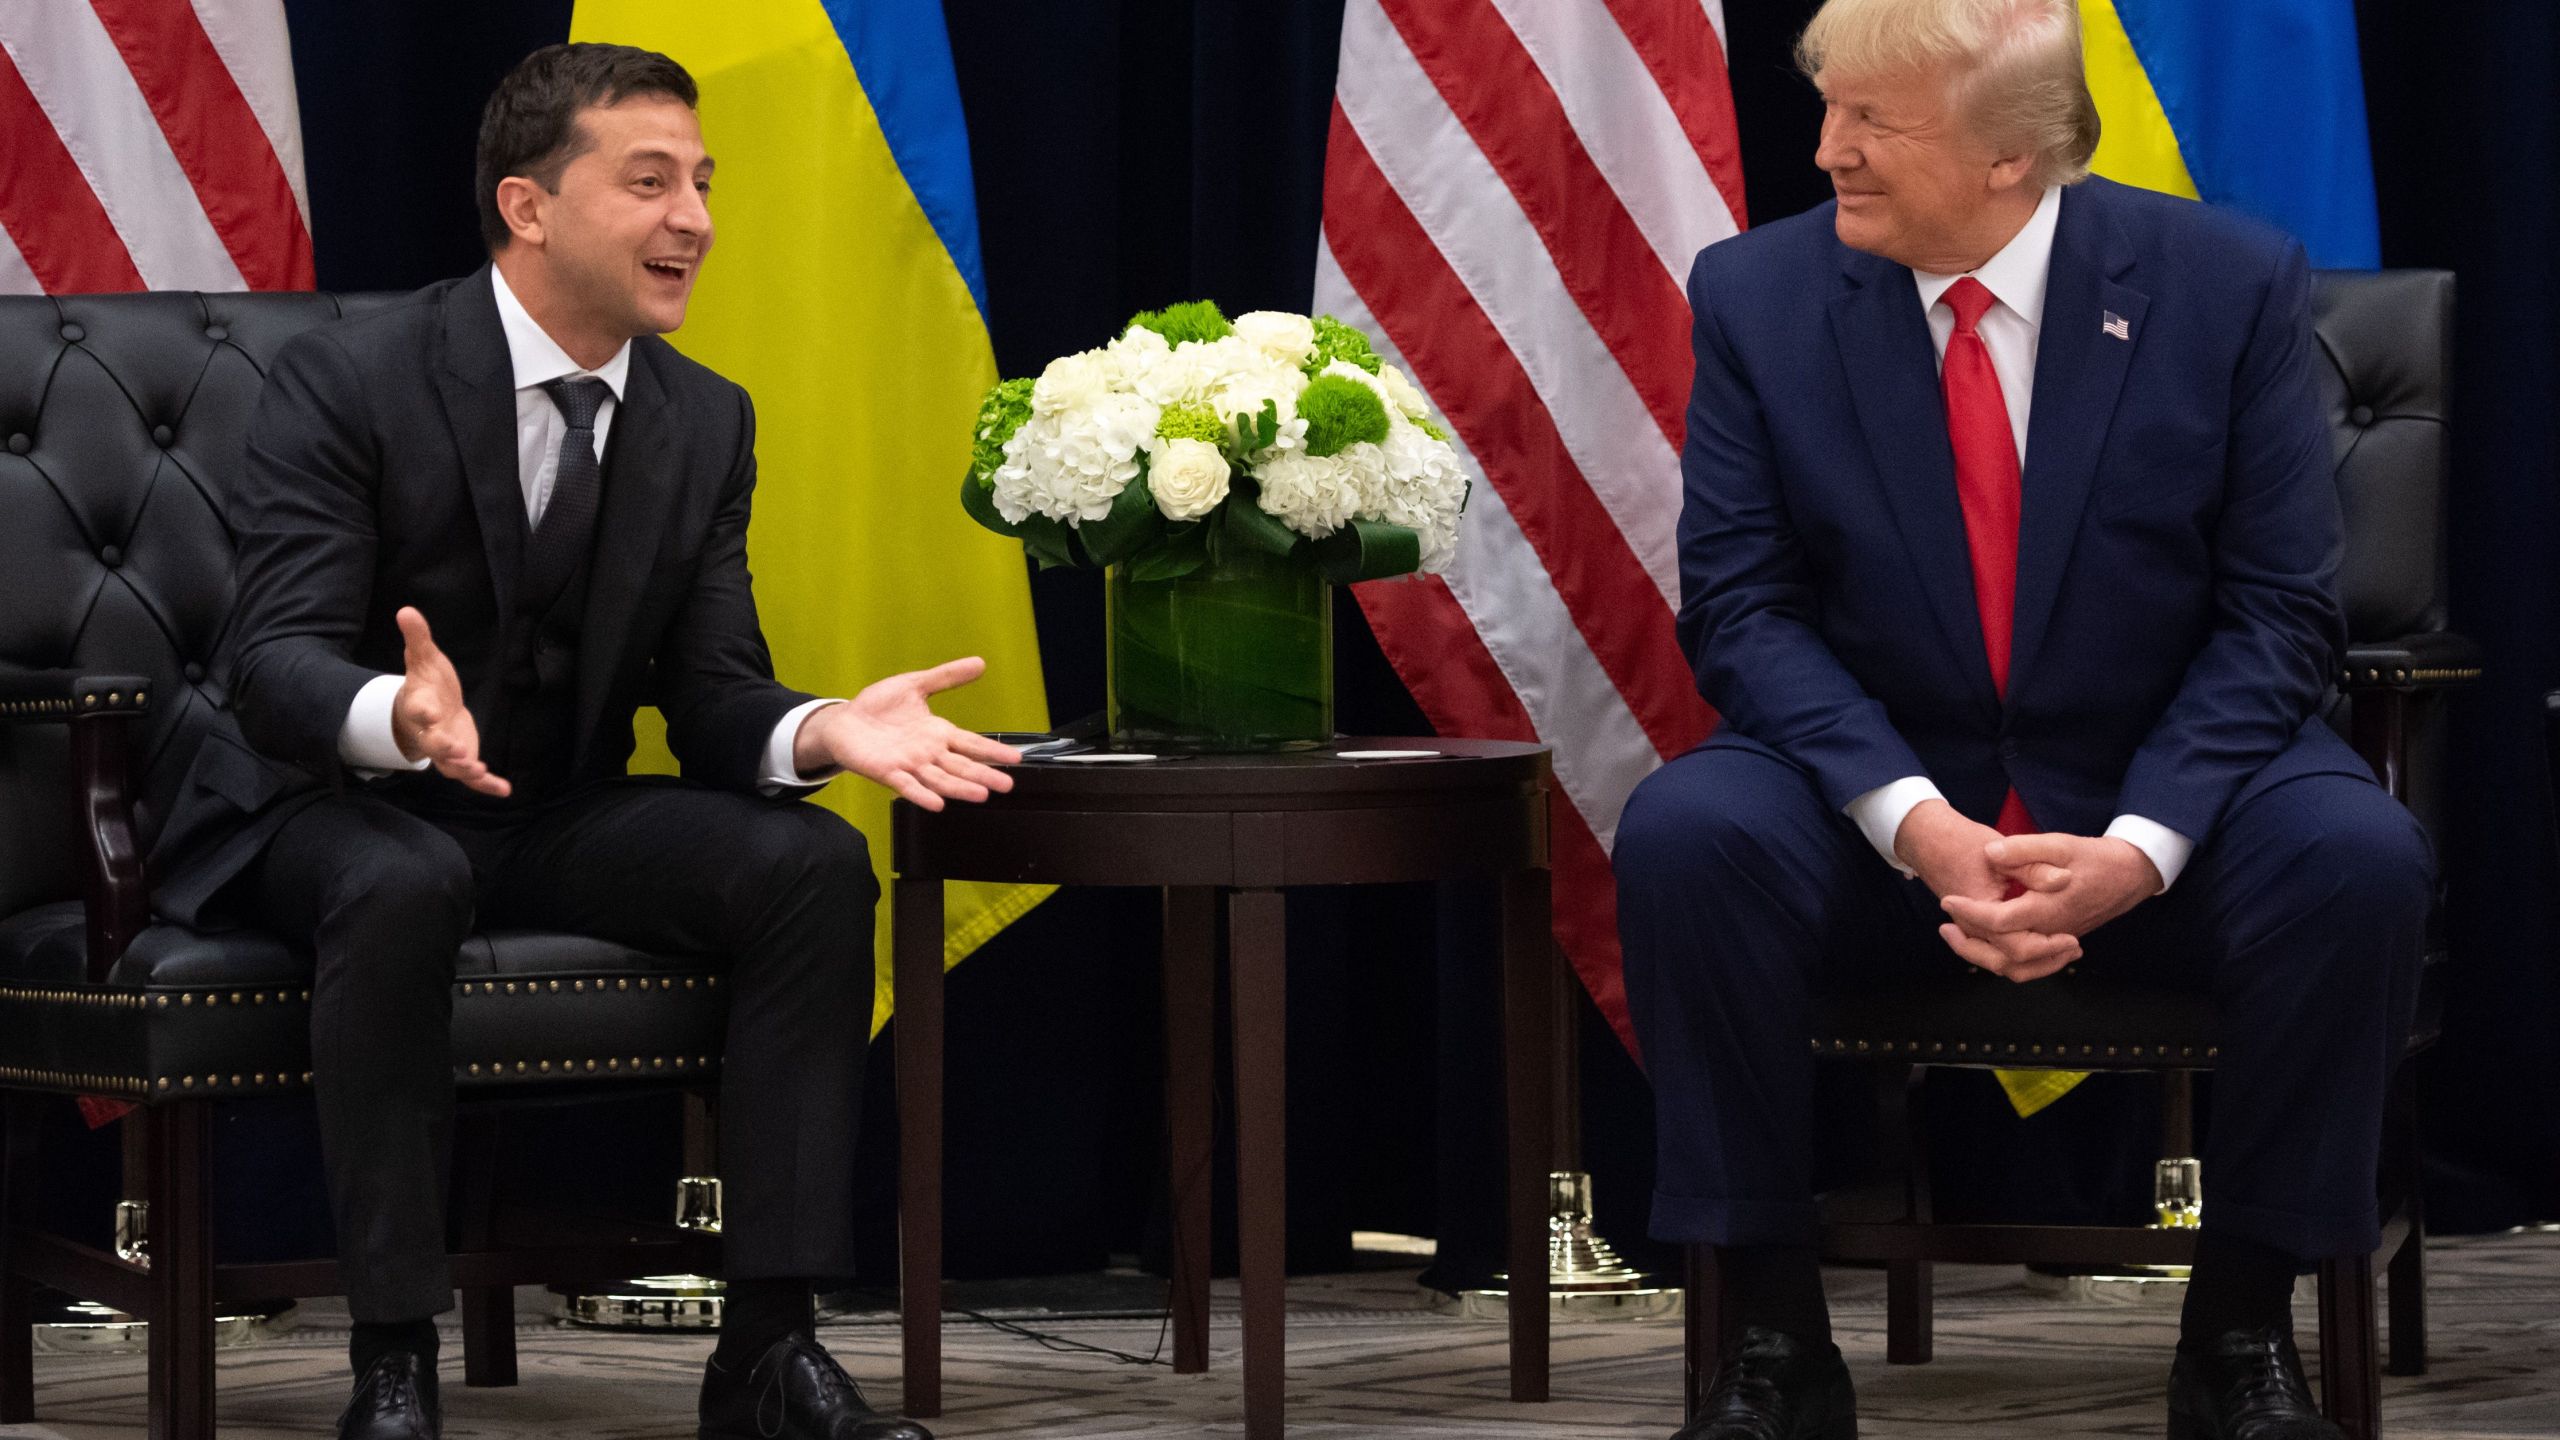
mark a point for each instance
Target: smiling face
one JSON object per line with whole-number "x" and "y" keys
{"x": 1915, "y": 184}
{"x": 614, "y": 251}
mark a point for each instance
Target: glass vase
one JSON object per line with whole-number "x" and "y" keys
{"x": 1235, "y": 656}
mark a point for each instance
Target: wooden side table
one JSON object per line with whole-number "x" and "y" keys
{"x": 1234, "y": 830}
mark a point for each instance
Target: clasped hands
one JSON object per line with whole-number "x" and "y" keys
{"x": 2018, "y": 905}
{"x": 888, "y": 733}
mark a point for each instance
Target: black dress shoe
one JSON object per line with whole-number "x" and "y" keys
{"x": 1777, "y": 1387}
{"x": 395, "y": 1399}
{"x": 795, "y": 1390}
{"x": 2243, "y": 1385}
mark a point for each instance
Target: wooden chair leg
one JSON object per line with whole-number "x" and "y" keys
{"x": 1703, "y": 1327}
{"x": 1910, "y": 1310}
{"x": 2408, "y": 1300}
{"x": 17, "y": 1350}
{"x": 19, "y": 1120}
{"x": 2350, "y": 1380}
{"x": 1910, "y": 1330}
{"x": 488, "y": 1311}
{"x": 178, "y": 1144}
{"x": 2407, "y": 1280}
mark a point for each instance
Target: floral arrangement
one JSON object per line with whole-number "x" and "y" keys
{"x": 1191, "y": 439}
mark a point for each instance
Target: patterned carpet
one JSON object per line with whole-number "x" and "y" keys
{"x": 1368, "y": 1358}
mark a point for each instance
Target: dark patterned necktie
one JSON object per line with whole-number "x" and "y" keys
{"x": 568, "y": 523}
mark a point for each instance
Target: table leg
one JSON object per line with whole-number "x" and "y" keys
{"x": 915, "y": 924}
{"x": 1258, "y": 982}
{"x": 1528, "y": 955}
{"x": 1190, "y": 1024}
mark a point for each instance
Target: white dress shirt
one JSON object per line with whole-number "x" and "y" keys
{"x": 365, "y": 740}
{"x": 2009, "y": 330}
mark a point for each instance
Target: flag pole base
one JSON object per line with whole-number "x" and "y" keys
{"x": 1585, "y": 1278}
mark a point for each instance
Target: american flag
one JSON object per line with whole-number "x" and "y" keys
{"x": 149, "y": 145}
{"x": 1514, "y": 190}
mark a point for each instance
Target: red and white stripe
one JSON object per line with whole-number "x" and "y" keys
{"x": 1513, "y": 192}
{"x": 149, "y": 144}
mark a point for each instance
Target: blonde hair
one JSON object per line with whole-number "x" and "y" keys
{"x": 2013, "y": 68}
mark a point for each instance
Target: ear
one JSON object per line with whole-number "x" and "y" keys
{"x": 520, "y": 205}
{"x": 2010, "y": 171}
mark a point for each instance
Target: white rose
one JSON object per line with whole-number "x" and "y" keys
{"x": 1401, "y": 392}
{"x": 1188, "y": 477}
{"x": 1287, "y": 338}
{"x": 1072, "y": 382}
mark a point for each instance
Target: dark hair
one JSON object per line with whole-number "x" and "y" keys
{"x": 530, "y": 127}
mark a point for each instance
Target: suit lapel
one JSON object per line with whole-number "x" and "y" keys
{"x": 640, "y": 475}
{"x": 1884, "y": 346}
{"x": 476, "y": 382}
{"x": 2080, "y": 370}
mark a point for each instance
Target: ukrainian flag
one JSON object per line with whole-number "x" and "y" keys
{"x": 845, "y": 292}
{"x": 2253, "y": 104}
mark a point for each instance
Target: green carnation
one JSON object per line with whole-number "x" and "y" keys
{"x": 1190, "y": 422}
{"x": 1190, "y": 320}
{"x": 1007, "y": 405}
{"x": 1340, "y": 413}
{"x": 1337, "y": 341}
{"x": 1431, "y": 427}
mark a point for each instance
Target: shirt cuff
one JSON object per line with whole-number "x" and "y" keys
{"x": 366, "y": 742}
{"x": 2167, "y": 848}
{"x": 1880, "y": 812}
{"x": 780, "y": 773}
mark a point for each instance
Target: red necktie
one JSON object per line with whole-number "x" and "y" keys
{"x": 1987, "y": 486}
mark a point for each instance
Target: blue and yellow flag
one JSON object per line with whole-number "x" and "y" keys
{"x": 2253, "y": 104}
{"x": 844, "y": 291}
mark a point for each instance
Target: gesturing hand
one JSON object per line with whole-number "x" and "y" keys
{"x": 1953, "y": 857}
{"x": 889, "y": 734}
{"x": 2071, "y": 885}
{"x": 428, "y": 718}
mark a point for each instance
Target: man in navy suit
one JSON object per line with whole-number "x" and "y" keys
{"x": 2007, "y": 555}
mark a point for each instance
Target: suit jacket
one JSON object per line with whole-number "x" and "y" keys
{"x": 381, "y": 472}
{"x": 2176, "y": 627}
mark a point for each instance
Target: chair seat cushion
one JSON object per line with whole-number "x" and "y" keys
{"x": 2070, "y": 1021}
{"x": 195, "y": 1013}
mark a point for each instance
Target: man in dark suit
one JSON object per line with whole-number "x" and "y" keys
{"x": 477, "y": 532}
{"x": 2007, "y": 556}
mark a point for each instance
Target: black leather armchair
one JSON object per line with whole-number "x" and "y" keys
{"x": 2387, "y": 339}
{"x": 121, "y": 426}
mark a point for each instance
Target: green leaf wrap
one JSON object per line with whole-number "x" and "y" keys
{"x": 1369, "y": 550}
{"x": 1133, "y": 524}
{"x": 980, "y": 501}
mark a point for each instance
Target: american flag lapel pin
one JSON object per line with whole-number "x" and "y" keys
{"x": 2116, "y": 325}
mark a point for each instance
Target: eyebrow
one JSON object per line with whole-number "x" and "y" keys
{"x": 706, "y": 165}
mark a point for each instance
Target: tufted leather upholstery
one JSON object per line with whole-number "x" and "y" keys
{"x": 2387, "y": 342}
{"x": 122, "y": 420}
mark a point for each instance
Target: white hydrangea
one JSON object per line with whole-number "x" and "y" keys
{"x": 1072, "y": 464}
{"x": 1421, "y": 486}
{"x": 1313, "y": 496}
{"x": 1187, "y": 477}
{"x": 1137, "y": 351}
{"x": 1286, "y": 338}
